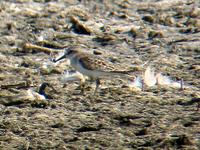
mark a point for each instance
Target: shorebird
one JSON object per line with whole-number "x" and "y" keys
{"x": 90, "y": 65}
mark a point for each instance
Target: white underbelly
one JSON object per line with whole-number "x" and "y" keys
{"x": 90, "y": 73}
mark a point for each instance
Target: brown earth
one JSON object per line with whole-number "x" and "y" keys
{"x": 166, "y": 33}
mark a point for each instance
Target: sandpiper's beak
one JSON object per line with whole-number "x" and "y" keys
{"x": 59, "y": 58}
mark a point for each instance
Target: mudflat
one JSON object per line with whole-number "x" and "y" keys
{"x": 164, "y": 34}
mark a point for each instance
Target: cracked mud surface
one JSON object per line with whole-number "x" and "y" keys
{"x": 164, "y": 33}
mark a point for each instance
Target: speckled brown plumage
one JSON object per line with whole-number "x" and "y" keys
{"x": 93, "y": 62}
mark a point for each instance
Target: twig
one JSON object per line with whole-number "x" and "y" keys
{"x": 22, "y": 84}
{"x": 142, "y": 85}
{"x": 181, "y": 84}
{"x": 39, "y": 48}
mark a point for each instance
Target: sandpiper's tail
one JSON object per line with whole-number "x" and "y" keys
{"x": 123, "y": 73}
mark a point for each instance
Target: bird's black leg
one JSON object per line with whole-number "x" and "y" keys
{"x": 97, "y": 86}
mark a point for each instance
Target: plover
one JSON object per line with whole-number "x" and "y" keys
{"x": 90, "y": 65}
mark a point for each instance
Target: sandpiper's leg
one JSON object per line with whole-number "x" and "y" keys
{"x": 82, "y": 88}
{"x": 97, "y": 86}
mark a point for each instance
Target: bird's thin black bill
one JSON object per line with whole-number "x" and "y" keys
{"x": 58, "y": 59}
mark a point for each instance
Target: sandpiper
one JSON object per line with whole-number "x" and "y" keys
{"x": 90, "y": 65}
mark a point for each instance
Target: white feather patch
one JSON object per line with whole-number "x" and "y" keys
{"x": 149, "y": 77}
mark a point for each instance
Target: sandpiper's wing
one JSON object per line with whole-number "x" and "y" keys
{"x": 93, "y": 62}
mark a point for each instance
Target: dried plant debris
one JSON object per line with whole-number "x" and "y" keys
{"x": 41, "y": 106}
{"x": 151, "y": 79}
{"x": 29, "y": 46}
{"x": 79, "y": 27}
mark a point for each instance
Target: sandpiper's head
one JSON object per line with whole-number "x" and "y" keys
{"x": 68, "y": 53}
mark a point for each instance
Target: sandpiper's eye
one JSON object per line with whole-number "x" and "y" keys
{"x": 69, "y": 52}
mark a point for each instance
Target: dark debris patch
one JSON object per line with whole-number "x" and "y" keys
{"x": 127, "y": 120}
{"x": 90, "y": 128}
{"x": 191, "y": 102}
{"x": 57, "y": 125}
{"x": 177, "y": 141}
{"x": 141, "y": 132}
{"x": 39, "y": 104}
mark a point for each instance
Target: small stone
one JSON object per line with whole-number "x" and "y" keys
{"x": 97, "y": 52}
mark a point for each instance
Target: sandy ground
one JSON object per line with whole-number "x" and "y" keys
{"x": 128, "y": 33}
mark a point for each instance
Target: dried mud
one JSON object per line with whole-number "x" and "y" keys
{"x": 166, "y": 33}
